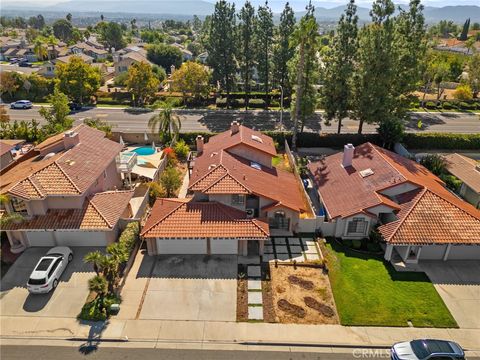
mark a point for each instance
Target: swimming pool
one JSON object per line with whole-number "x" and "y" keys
{"x": 144, "y": 150}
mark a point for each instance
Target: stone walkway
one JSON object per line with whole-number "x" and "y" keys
{"x": 287, "y": 249}
{"x": 254, "y": 288}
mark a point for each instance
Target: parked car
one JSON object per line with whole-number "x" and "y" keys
{"x": 21, "y": 104}
{"x": 24, "y": 64}
{"x": 74, "y": 106}
{"x": 48, "y": 270}
{"x": 427, "y": 349}
{"x": 14, "y": 60}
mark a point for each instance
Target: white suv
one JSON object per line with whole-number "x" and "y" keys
{"x": 48, "y": 270}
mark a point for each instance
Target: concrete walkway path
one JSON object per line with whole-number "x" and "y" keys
{"x": 160, "y": 331}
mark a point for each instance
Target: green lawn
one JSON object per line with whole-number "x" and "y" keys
{"x": 368, "y": 291}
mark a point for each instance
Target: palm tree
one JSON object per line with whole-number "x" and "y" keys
{"x": 165, "y": 122}
{"x": 40, "y": 49}
{"x": 96, "y": 258}
{"x": 98, "y": 284}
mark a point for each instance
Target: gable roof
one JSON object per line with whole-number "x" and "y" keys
{"x": 464, "y": 168}
{"x": 427, "y": 214}
{"x": 5, "y": 148}
{"x": 68, "y": 172}
{"x": 100, "y": 212}
{"x": 184, "y": 218}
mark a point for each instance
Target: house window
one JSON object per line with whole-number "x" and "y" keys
{"x": 357, "y": 226}
{"x": 238, "y": 199}
{"x": 19, "y": 205}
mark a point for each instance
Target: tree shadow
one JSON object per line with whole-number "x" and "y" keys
{"x": 94, "y": 336}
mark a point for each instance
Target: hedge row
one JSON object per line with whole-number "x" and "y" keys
{"x": 453, "y": 105}
{"x": 410, "y": 140}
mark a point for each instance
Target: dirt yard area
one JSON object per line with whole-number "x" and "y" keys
{"x": 302, "y": 295}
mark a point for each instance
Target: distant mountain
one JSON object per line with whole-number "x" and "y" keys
{"x": 180, "y": 7}
{"x": 324, "y": 10}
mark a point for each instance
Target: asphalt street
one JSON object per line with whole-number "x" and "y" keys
{"x": 215, "y": 121}
{"x": 10, "y": 352}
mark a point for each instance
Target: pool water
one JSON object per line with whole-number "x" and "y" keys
{"x": 144, "y": 150}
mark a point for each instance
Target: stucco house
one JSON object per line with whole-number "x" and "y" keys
{"x": 468, "y": 171}
{"x": 85, "y": 48}
{"x": 66, "y": 190}
{"x": 417, "y": 216}
{"x": 238, "y": 199}
{"x": 122, "y": 62}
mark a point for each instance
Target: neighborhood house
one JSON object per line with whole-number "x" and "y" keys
{"x": 417, "y": 216}
{"x": 238, "y": 199}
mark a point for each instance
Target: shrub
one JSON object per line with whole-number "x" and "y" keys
{"x": 463, "y": 92}
{"x": 94, "y": 311}
{"x": 442, "y": 141}
{"x": 430, "y": 105}
{"x": 171, "y": 156}
{"x": 170, "y": 180}
{"x": 467, "y": 106}
{"x": 347, "y": 243}
{"x": 129, "y": 236}
{"x": 181, "y": 149}
{"x": 356, "y": 244}
{"x": 452, "y": 182}
{"x": 155, "y": 190}
{"x": 448, "y": 105}
{"x": 435, "y": 163}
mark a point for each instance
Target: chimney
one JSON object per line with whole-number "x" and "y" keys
{"x": 234, "y": 127}
{"x": 348, "y": 151}
{"x": 199, "y": 141}
{"x": 70, "y": 139}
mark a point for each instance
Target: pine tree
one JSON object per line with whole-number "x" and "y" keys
{"x": 246, "y": 55}
{"x": 283, "y": 52}
{"x": 373, "y": 100}
{"x": 265, "y": 46}
{"x": 339, "y": 67}
{"x": 466, "y": 27}
{"x": 304, "y": 67}
{"x": 221, "y": 46}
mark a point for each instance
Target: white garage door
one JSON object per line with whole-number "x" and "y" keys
{"x": 433, "y": 252}
{"x": 224, "y": 246}
{"x": 40, "y": 238}
{"x": 81, "y": 238}
{"x": 181, "y": 246}
{"x": 464, "y": 252}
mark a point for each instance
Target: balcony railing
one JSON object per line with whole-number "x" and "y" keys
{"x": 126, "y": 161}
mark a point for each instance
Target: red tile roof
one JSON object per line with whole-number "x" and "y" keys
{"x": 181, "y": 218}
{"x": 5, "y": 148}
{"x": 428, "y": 214}
{"x": 70, "y": 172}
{"x": 217, "y": 171}
{"x": 101, "y": 212}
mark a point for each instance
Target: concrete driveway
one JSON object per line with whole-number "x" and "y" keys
{"x": 458, "y": 283}
{"x": 183, "y": 287}
{"x": 65, "y": 301}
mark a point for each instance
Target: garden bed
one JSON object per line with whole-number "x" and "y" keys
{"x": 302, "y": 295}
{"x": 242, "y": 293}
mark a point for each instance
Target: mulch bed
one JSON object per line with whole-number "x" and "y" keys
{"x": 292, "y": 309}
{"x": 242, "y": 294}
{"x": 267, "y": 295}
{"x": 304, "y": 284}
{"x": 323, "y": 309}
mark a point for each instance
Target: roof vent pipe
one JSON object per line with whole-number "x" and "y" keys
{"x": 348, "y": 151}
{"x": 235, "y": 127}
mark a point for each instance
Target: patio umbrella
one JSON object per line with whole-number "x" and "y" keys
{"x": 145, "y": 136}
{"x": 153, "y": 144}
{"x": 121, "y": 141}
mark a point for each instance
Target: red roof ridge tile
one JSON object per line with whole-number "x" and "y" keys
{"x": 89, "y": 202}
{"x": 181, "y": 203}
{"x": 208, "y": 173}
{"x": 402, "y": 220}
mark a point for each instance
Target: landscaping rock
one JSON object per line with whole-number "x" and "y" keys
{"x": 292, "y": 309}
{"x": 305, "y": 284}
{"x": 323, "y": 309}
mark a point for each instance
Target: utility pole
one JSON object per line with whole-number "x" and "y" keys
{"x": 281, "y": 107}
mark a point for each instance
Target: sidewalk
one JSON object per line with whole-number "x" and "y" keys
{"x": 161, "y": 331}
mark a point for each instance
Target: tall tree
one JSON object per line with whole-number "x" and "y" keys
{"x": 141, "y": 82}
{"x": 40, "y": 48}
{"x": 77, "y": 79}
{"x": 473, "y": 71}
{"x": 464, "y": 33}
{"x": 305, "y": 40}
{"x": 339, "y": 67}
{"x": 63, "y": 30}
{"x": 166, "y": 123}
{"x": 111, "y": 35}
{"x": 221, "y": 46}
{"x": 246, "y": 54}
{"x": 282, "y": 51}
{"x": 265, "y": 46}
{"x": 192, "y": 78}
{"x": 375, "y": 73}
{"x": 57, "y": 114}
{"x": 69, "y": 17}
